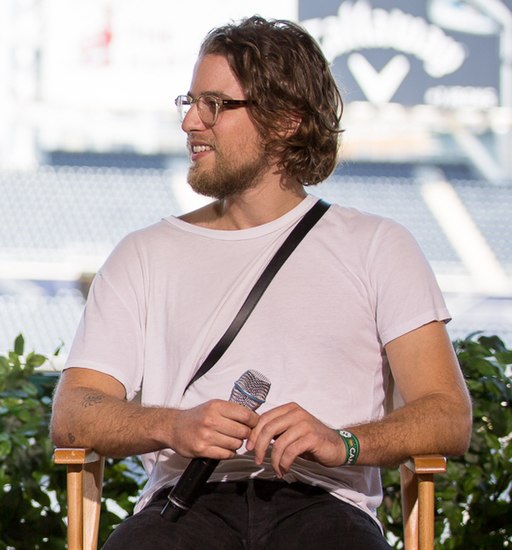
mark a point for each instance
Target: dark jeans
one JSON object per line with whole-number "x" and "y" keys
{"x": 252, "y": 515}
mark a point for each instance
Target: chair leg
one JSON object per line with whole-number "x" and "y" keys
{"x": 409, "y": 491}
{"x": 426, "y": 511}
{"x": 92, "y": 488}
{"x": 84, "y": 486}
{"x": 75, "y": 507}
{"x": 417, "y": 486}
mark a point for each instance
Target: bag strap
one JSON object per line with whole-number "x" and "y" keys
{"x": 289, "y": 245}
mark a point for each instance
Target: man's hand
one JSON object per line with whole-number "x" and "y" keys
{"x": 295, "y": 433}
{"x": 215, "y": 429}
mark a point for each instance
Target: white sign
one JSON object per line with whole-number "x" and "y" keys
{"x": 128, "y": 54}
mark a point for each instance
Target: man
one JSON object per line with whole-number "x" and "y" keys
{"x": 354, "y": 303}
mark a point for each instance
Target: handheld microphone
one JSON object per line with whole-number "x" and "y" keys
{"x": 250, "y": 391}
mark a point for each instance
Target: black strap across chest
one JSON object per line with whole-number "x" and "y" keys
{"x": 289, "y": 245}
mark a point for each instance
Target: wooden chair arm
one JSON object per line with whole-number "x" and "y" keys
{"x": 84, "y": 485}
{"x": 72, "y": 455}
{"x": 417, "y": 487}
{"x": 426, "y": 464}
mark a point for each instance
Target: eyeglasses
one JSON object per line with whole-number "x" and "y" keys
{"x": 208, "y": 106}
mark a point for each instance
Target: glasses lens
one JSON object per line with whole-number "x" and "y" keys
{"x": 183, "y": 105}
{"x": 208, "y": 109}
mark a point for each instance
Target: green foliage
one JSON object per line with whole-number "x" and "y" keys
{"x": 473, "y": 499}
{"x": 32, "y": 487}
{"x": 28, "y": 479}
{"x": 480, "y": 512}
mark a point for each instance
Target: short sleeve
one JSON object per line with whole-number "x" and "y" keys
{"x": 110, "y": 335}
{"x": 407, "y": 294}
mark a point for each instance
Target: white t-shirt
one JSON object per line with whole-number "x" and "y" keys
{"x": 168, "y": 292}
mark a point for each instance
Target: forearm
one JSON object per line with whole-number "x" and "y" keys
{"x": 90, "y": 410}
{"x": 433, "y": 424}
{"x": 114, "y": 427}
{"x": 437, "y": 415}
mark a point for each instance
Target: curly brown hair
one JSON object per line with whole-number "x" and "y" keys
{"x": 295, "y": 102}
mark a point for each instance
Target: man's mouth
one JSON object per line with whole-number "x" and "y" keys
{"x": 200, "y": 148}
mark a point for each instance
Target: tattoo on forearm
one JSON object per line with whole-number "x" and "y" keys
{"x": 91, "y": 399}
{"x": 71, "y": 438}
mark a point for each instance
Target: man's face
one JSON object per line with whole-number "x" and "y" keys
{"x": 227, "y": 158}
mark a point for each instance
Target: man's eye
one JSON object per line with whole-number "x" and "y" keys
{"x": 211, "y": 103}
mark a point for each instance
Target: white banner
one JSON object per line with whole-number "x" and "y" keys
{"x": 131, "y": 54}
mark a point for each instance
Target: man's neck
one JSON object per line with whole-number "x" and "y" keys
{"x": 255, "y": 206}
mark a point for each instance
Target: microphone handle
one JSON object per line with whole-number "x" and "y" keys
{"x": 190, "y": 484}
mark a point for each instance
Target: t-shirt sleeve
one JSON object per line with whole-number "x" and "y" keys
{"x": 110, "y": 335}
{"x": 406, "y": 292}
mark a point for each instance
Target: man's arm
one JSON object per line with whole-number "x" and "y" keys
{"x": 90, "y": 410}
{"x": 436, "y": 417}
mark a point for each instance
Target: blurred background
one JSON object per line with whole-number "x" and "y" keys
{"x": 91, "y": 147}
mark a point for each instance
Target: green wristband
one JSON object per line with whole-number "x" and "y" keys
{"x": 351, "y": 446}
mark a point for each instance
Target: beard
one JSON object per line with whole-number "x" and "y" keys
{"x": 227, "y": 177}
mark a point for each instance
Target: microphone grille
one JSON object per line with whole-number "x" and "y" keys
{"x": 250, "y": 390}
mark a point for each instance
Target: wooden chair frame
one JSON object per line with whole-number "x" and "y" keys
{"x": 85, "y": 480}
{"x": 418, "y": 499}
{"x": 84, "y": 487}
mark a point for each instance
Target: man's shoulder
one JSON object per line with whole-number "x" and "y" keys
{"x": 143, "y": 238}
{"x": 359, "y": 219}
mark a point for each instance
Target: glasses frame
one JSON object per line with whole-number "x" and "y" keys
{"x": 220, "y": 103}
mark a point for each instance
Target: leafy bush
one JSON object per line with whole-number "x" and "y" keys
{"x": 32, "y": 488}
{"x": 473, "y": 498}
{"x": 28, "y": 479}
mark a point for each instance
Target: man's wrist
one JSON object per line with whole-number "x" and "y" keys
{"x": 352, "y": 447}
